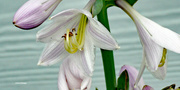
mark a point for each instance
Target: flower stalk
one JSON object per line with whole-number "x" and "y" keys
{"x": 107, "y": 55}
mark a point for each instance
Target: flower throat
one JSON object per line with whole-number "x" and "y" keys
{"x": 75, "y": 41}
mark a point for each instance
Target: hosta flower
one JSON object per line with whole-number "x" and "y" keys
{"x": 132, "y": 73}
{"x": 34, "y": 12}
{"x": 72, "y": 76}
{"x": 155, "y": 40}
{"x": 74, "y": 31}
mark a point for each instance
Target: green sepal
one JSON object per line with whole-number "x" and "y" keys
{"x": 171, "y": 87}
{"x": 96, "y": 88}
{"x": 123, "y": 81}
{"x": 97, "y": 7}
{"x": 131, "y": 2}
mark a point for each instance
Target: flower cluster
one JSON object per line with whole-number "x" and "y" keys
{"x": 74, "y": 34}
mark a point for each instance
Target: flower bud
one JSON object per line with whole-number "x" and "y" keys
{"x": 33, "y": 13}
{"x": 132, "y": 72}
{"x": 147, "y": 87}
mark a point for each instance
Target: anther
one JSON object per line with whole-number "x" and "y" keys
{"x": 70, "y": 34}
{"x": 74, "y": 29}
{"x": 64, "y": 36}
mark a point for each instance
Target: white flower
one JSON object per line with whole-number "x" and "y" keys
{"x": 72, "y": 75}
{"x": 155, "y": 40}
{"x": 34, "y": 12}
{"x": 74, "y": 31}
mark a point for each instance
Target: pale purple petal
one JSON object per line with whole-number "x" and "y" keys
{"x": 160, "y": 73}
{"x": 62, "y": 84}
{"x": 88, "y": 56}
{"x": 52, "y": 53}
{"x": 72, "y": 77}
{"x": 71, "y": 12}
{"x": 147, "y": 87}
{"x": 74, "y": 74}
{"x": 86, "y": 84}
{"x": 61, "y": 22}
{"x": 132, "y": 72}
{"x": 89, "y": 5}
{"x": 153, "y": 52}
{"x": 141, "y": 70}
{"x": 34, "y": 12}
{"x": 100, "y": 36}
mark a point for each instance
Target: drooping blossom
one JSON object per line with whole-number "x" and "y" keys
{"x": 155, "y": 40}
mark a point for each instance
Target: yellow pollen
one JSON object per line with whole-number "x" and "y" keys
{"x": 163, "y": 59}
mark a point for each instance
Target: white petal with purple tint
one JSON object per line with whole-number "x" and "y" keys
{"x": 100, "y": 36}
{"x": 72, "y": 75}
{"x": 53, "y": 53}
{"x": 33, "y": 13}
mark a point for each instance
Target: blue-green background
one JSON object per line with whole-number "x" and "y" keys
{"x": 19, "y": 51}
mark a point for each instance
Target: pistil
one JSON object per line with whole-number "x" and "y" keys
{"x": 162, "y": 62}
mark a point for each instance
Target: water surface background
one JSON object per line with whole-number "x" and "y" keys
{"x": 19, "y": 51}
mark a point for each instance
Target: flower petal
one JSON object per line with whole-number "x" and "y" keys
{"x": 162, "y": 36}
{"x": 65, "y": 20}
{"x": 73, "y": 78}
{"x": 153, "y": 52}
{"x": 100, "y": 36}
{"x": 62, "y": 84}
{"x": 147, "y": 87}
{"x": 88, "y": 56}
{"x": 86, "y": 83}
{"x": 62, "y": 21}
{"x": 74, "y": 73}
{"x": 140, "y": 73}
{"x": 160, "y": 73}
{"x": 52, "y": 53}
{"x": 70, "y": 12}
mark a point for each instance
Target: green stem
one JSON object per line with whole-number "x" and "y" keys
{"x": 107, "y": 55}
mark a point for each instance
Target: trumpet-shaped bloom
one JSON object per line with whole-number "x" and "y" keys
{"x": 72, "y": 75}
{"x": 155, "y": 40}
{"x": 132, "y": 72}
{"x": 34, "y": 12}
{"x": 74, "y": 31}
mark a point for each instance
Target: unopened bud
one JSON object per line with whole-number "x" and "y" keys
{"x": 33, "y": 13}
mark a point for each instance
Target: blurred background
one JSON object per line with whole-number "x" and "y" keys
{"x": 19, "y": 51}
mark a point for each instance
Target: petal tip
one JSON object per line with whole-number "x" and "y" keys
{"x": 39, "y": 63}
{"x": 14, "y": 22}
{"x": 117, "y": 47}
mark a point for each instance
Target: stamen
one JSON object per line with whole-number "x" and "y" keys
{"x": 74, "y": 41}
{"x": 162, "y": 62}
{"x": 74, "y": 29}
{"x": 64, "y": 36}
{"x": 81, "y": 32}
